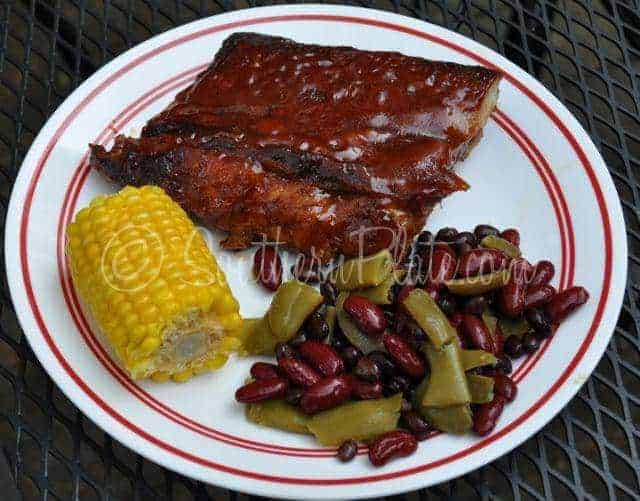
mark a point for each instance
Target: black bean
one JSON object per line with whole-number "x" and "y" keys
{"x": 293, "y": 395}
{"x": 476, "y": 305}
{"x": 538, "y": 319}
{"x": 367, "y": 370}
{"x": 530, "y": 342}
{"x": 446, "y": 235}
{"x": 386, "y": 366}
{"x": 329, "y": 292}
{"x": 416, "y": 425}
{"x": 464, "y": 242}
{"x": 338, "y": 341}
{"x": 513, "y": 347}
{"x": 284, "y": 350}
{"x": 316, "y": 326}
{"x": 484, "y": 230}
{"x": 350, "y": 355}
{"x": 397, "y": 384}
{"x": 347, "y": 451}
{"x": 424, "y": 239}
{"x": 544, "y": 332}
{"x": 504, "y": 365}
{"x": 447, "y": 303}
{"x": 409, "y": 393}
{"x": 405, "y": 405}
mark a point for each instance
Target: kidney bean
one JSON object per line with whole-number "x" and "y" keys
{"x": 284, "y": 350}
{"x": 322, "y": 357}
{"x": 267, "y": 267}
{"x": 513, "y": 347}
{"x": 443, "y": 265}
{"x": 393, "y": 444}
{"x": 512, "y": 236}
{"x": 293, "y": 395}
{"x": 350, "y": 355}
{"x": 306, "y": 269}
{"x": 263, "y": 370}
{"x": 418, "y": 426}
{"x": 480, "y": 261}
{"x": 538, "y": 296}
{"x": 477, "y": 333}
{"x": 262, "y": 389}
{"x": 565, "y": 302}
{"x": 386, "y": 366}
{"x": 367, "y": 370}
{"x": 497, "y": 337}
{"x": 405, "y": 290}
{"x": 367, "y": 315}
{"x": 505, "y": 387}
{"x": 347, "y": 451}
{"x": 543, "y": 272}
{"x": 329, "y": 292}
{"x": 298, "y": 372}
{"x": 530, "y": 343}
{"x": 363, "y": 390}
{"x": 486, "y": 416}
{"x": 511, "y": 297}
{"x": 484, "y": 230}
{"x": 316, "y": 326}
{"x": 325, "y": 394}
{"x": 433, "y": 290}
{"x": 404, "y": 355}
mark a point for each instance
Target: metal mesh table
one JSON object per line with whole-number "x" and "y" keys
{"x": 586, "y": 53}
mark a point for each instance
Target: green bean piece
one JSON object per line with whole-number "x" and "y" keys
{"x": 382, "y": 293}
{"x": 429, "y": 317}
{"x": 513, "y": 326}
{"x": 472, "y": 286}
{"x": 447, "y": 380}
{"x": 360, "y": 273}
{"x": 362, "y": 420}
{"x": 259, "y": 338}
{"x": 366, "y": 344}
{"x": 278, "y": 414}
{"x": 293, "y": 303}
{"x": 454, "y": 419}
{"x": 481, "y": 388}
{"x": 494, "y": 242}
{"x": 476, "y": 358}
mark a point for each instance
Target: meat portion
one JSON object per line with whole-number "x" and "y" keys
{"x": 231, "y": 191}
{"x": 328, "y": 150}
{"x": 379, "y": 123}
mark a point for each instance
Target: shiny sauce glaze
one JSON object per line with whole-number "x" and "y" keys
{"x": 376, "y": 122}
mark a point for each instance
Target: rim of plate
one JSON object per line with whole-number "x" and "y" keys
{"x": 510, "y": 436}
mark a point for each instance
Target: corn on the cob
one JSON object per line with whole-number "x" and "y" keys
{"x": 152, "y": 285}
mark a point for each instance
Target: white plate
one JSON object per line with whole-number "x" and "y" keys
{"x": 535, "y": 169}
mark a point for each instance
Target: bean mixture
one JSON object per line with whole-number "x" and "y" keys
{"x": 389, "y": 354}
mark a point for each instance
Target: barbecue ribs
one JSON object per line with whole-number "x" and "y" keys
{"x": 310, "y": 143}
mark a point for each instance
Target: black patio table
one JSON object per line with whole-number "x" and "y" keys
{"x": 586, "y": 53}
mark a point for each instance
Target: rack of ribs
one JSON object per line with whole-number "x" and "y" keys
{"x": 313, "y": 146}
